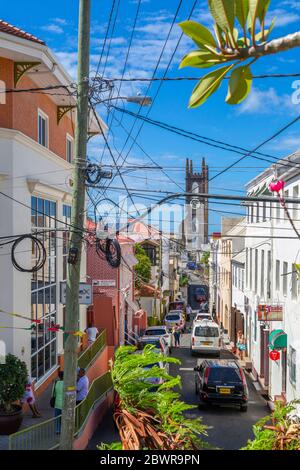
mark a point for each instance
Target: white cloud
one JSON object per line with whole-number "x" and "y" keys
{"x": 290, "y": 143}
{"x": 283, "y": 17}
{"x": 60, "y": 21}
{"x": 267, "y": 102}
{"x": 53, "y": 28}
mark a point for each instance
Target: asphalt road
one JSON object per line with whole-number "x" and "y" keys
{"x": 229, "y": 427}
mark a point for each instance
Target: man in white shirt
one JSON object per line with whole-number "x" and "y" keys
{"x": 92, "y": 333}
{"x": 82, "y": 387}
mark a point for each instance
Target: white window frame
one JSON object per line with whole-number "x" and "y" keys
{"x": 46, "y": 118}
{"x": 69, "y": 138}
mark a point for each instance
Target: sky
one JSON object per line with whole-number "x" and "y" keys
{"x": 268, "y": 108}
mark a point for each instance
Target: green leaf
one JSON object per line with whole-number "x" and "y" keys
{"x": 199, "y": 33}
{"x": 263, "y": 8}
{"x": 200, "y": 59}
{"x": 219, "y": 36}
{"x": 207, "y": 86}
{"x": 242, "y": 11}
{"x": 223, "y": 13}
{"x": 239, "y": 85}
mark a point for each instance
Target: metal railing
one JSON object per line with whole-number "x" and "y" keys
{"x": 45, "y": 435}
{"x": 89, "y": 354}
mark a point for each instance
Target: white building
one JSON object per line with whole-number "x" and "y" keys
{"x": 36, "y": 152}
{"x": 272, "y": 248}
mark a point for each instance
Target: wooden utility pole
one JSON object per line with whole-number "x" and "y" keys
{"x": 76, "y": 231}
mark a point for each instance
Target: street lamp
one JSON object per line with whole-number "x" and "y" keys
{"x": 141, "y": 100}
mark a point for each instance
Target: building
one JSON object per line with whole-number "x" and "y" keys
{"x": 272, "y": 285}
{"x": 36, "y": 153}
{"x": 195, "y": 226}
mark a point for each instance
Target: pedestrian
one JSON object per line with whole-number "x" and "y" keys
{"x": 240, "y": 344}
{"x": 177, "y": 333}
{"x": 189, "y": 312}
{"x": 29, "y": 399}
{"x": 92, "y": 333}
{"x": 57, "y": 400}
{"x": 82, "y": 386}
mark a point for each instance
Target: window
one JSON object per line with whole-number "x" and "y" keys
{"x": 295, "y": 194}
{"x": 294, "y": 288}
{"x": 257, "y": 212}
{"x": 65, "y": 235}
{"x": 43, "y": 132}
{"x": 277, "y": 274}
{"x": 255, "y": 270}
{"x": 278, "y": 211}
{"x": 264, "y": 207}
{"x": 262, "y": 274}
{"x": 286, "y": 194}
{"x": 43, "y": 289}
{"x": 269, "y": 279}
{"x": 247, "y": 267}
{"x": 284, "y": 278}
{"x": 292, "y": 365}
{"x": 69, "y": 149}
{"x": 250, "y": 269}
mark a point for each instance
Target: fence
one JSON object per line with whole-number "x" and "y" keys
{"x": 45, "y": 436}
{"x": 92, "y": 351}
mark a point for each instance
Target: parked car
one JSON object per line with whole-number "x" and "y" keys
{"x": 155, "y": 380}
{"x": 158, "y": 341}
{"x": 173, "y": 317}
{"x": 191, "y": 265}
{"x": 221, "y": 381}
{"x": 205, "y": 337}
{"x": 160, "y": 330}
{"x": 203, "y": 316}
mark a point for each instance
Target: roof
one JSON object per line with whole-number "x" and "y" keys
{"x": 20, "y": 33}
{"x": 220, "y": 363}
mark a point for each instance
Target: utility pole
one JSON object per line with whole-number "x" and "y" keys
{"x": 77, "y": 222}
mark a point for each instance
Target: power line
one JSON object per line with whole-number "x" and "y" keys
{"x": 174, "y": 79}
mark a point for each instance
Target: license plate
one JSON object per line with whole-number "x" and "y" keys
{"x": 224, "y": 391}
{"x": 206, "y": 343}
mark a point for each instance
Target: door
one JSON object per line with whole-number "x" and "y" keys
{"x": 283, "y": 370}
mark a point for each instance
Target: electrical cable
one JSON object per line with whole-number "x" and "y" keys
{"x": 41, "y": 258}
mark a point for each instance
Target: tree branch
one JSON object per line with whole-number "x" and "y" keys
{"x": 277, "y": 45}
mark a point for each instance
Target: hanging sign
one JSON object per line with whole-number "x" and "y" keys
{"x": 85, "y": 296}
{"x": 272, "y": 312}
{"x": 274, "y": 355}
{"x": 104, "y": 283}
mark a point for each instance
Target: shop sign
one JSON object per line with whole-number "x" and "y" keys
{"x": 270, "y": 312}
{"x": 274, "y": 355}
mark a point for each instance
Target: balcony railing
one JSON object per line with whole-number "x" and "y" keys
{"x": 44, "y": 436}
{"x": 89, "y": 354}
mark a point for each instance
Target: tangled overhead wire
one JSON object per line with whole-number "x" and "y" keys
{"x": 41, "y": 254}
{"x": 93, "y": 173}
{"x": 111, "y": 249}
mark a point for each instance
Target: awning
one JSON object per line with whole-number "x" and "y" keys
{"x": 277, "y": 339}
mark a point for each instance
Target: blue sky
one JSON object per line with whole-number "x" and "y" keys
{"x": 268, "y": 108}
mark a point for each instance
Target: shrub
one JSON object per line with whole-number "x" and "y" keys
{"x": 13, "y": 378}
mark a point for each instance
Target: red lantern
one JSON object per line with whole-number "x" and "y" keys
{"x": 274, "y": 355}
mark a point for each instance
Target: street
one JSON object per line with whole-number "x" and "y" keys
{"x": 229, "y": 429}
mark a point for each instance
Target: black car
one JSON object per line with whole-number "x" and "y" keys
{"x": 221, "y": 381}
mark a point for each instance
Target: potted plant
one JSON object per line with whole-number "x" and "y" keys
{"x": 13, "y": 378}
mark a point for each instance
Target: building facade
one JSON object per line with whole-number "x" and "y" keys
{"x": 36, "y": 155}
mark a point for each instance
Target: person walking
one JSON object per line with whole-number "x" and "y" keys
{"x": 29, "y": 399}
{"x": 92, "y": 333}
{"x": 177, "y": 333}
{"x": 57, "y": 399}
{"x": 82, "y": 386}
{"x": 189, "y": 312}
{"x": 241, "y": 344}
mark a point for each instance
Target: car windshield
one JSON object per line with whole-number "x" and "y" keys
{"x": 172, "y": 317}
{"x": 155, "y": 343}
{"x": 157, "y": 332}
{"x": 207, "y": 331}
{"x": 200, "y": 291}
{"x": 224, "y": 374}
{"x": 203, "y": 317}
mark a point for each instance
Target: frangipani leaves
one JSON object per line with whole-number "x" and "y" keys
{"x": 239, "y": 85}
{"x": 200, "y": 59}
{"x": 199, "y": 33}
{"x": 208, "y": 85}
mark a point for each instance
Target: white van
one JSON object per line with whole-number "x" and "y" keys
{"x": 205, "y": 337}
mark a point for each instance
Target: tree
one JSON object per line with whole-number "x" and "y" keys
{"x": 236, "y": 42}
{"x": 205, "y": 257}
{"x": 143, "y": 267}
{"x": 148, "y": 413}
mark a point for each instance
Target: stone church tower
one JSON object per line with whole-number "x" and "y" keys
{"x": 196, "y": 223}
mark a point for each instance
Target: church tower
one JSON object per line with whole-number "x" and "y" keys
{"x": 197, "y": 182}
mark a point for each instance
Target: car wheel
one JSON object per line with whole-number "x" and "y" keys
{"x": 244, "y": 408}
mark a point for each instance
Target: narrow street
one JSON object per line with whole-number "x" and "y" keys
{"x": 229, "y": 428}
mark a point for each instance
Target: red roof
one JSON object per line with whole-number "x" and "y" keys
{"x": 10, "y": 29}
